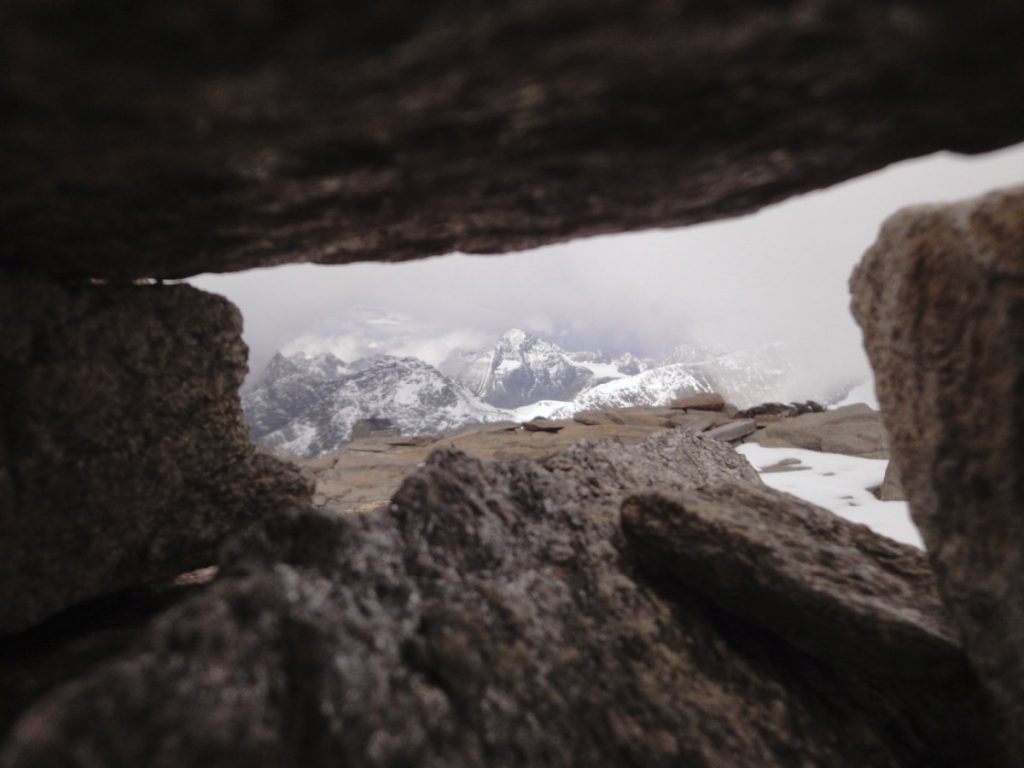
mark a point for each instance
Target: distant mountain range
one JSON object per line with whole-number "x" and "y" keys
{"x": 307, "y": 403}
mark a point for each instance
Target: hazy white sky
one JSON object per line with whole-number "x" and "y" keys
{"x": 778, "y": 275}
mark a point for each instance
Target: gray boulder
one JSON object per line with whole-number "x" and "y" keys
{"x": 733, "y": 431}
{"x": 940, "y": 298}
{"x": 125, "y": 460}
{"x": 829, "y": 587}
{"x": 856, "y": 430}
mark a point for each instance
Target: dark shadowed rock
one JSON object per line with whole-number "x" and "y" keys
{"x": 124, "y": 459}
{"x": 856, "y": 430}
{"x": 492, "y": 616}
{"x": 832, "y": 588}
{"x": 162, "y": 138}
{"x": 940, "y": 298}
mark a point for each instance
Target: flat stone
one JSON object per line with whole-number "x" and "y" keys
{"x": 855, "y": 430}
{"x": 940, "y": 298}
{"x": 733, "y": 431}
{"x": 832, "y": 588}
{"x": 702, "y": 402}
{"x": 543, "y": 425}
{"x": 786, "y": 465}
{"x": 697, "y": 421}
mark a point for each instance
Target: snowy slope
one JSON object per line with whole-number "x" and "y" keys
{"x": 748, "y": 377}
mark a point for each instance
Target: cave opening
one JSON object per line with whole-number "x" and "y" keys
{"x": 765, "y": 295}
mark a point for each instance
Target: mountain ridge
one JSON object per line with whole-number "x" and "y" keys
{"x": 306, "y": 403}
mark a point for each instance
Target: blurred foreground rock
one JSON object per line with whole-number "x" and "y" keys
{"x": 940, "y": 297}
{"x": 125, "y": 460}
{"x": 494, "y": 614}
{"x": 165, "y": 138}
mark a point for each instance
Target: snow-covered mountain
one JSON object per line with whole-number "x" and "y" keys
{"x": 288, "y": 386}
{"x": 519, "y": 370}
{"x": 308, "y": 414}
{"x": 656, "y": 386}
{"x": 605, "y": 367}
{"x": 306, "y": 403}
{"x": 748, "y": 377}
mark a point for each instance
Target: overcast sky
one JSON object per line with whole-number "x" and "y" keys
{"x": 778, "y": 275}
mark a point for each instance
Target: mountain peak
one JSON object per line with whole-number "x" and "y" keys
{"x": 515, "y": 337}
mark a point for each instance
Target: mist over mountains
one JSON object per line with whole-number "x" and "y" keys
{"x": 308, "y": 399}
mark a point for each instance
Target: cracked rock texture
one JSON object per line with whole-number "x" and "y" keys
{"x": 940, "y": 298}
{"x": 124, "y": 459}
{"x": 493, "y": 615}
{"x": 829, "y": 587}
{"x": 166, "y": 138}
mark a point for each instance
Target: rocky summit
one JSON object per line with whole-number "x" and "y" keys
{"x": 170, "y": 596}
{"x": 520, "y": 370}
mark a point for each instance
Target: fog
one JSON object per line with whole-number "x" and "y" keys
{"x": 778, "y": 275}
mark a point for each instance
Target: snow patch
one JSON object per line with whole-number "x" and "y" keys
{"x": 840, "y": 484}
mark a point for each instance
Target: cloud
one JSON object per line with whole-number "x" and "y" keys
{"x": 778, "y": 275}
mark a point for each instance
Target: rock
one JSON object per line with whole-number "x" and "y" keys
{"x": 125, "y": 458}
{"x": 698, "y": 421}
{"x": 830, "y": 587}
{"x": 784, "y": 465}
{"x": 543, "y": 425}
{"x": 700, "y": 402}
{"x": 939, "y": 297}
{"x": 396, "y": 130}
{"x": 654, "y": 417}
{"x": 892, "y": 487}
{"x": 733, "y": 431}
{"x": 493, "y": 614}
{"x": 855, "y": 430}
{"x": 781, "y": 410}
{"x": 314, "y": 407}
